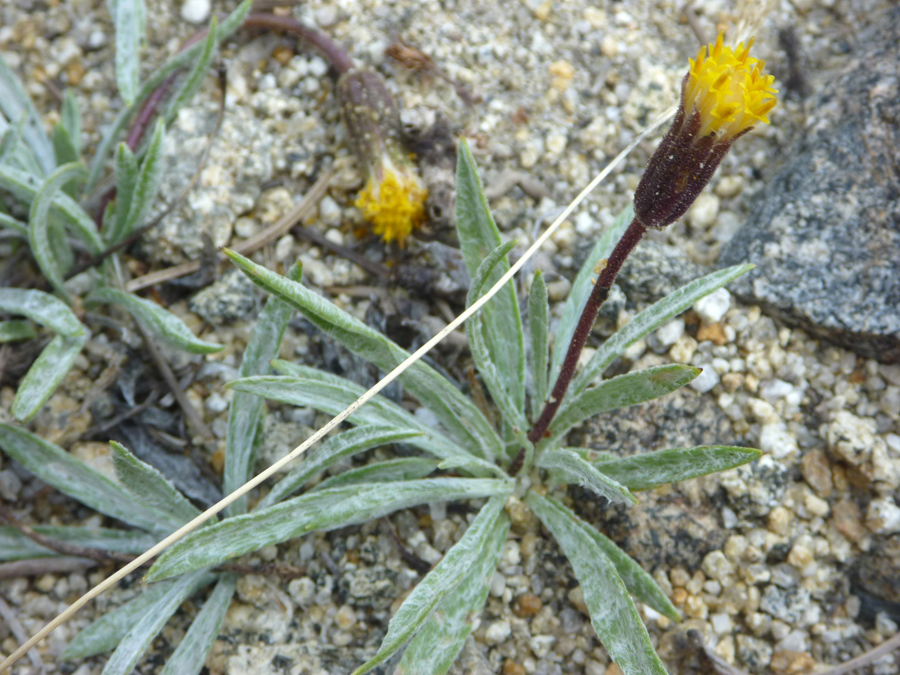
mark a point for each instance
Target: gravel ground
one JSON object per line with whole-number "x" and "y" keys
{"x": 561, "y": 88}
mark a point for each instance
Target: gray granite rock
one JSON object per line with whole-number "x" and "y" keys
{"x": 239, "y": 163}
{"x": 232, "y": 297}
{"x": 825, "y": 234}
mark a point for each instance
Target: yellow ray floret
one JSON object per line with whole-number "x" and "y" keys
{"x": 729, "y": 90}
{"x": 394, "y": 205}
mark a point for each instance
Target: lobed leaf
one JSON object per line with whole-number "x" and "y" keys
{"x": 652, "y": 469}
{"x": 45, "y": 374}
{"x": 613, "y": 614}
{"x": 621, "y": 392}
{"x": 39, "y": 230}
{"x": 18, "y": 108}
{"x": 16, "y": 546}
{"x": 334, "y": 449}
{"x": 539, "y": 334}
{"x": 575, "y": 469}
{"x": 190, "y": 655}
{"x": 581, "y": 288}
{"x": 107, "y": 631}
{"x": 128, "y": 21}
{"x": 41, "y": 308}
{"x": 138, "y": 639}
{"x": 156, "y": 78}
{"x": 247, "y": 410}
{"x": 321, "y": 510}
{"x": 434, "y": 649}
{"x": 478, "y": 237}
{"x": 389, "y": 471}
{"x": 427, "y": 596}
{"x": 72, "y": 477}
{"x": 157, "y": 320}
{"x": 151, "y": 488}
{"x": 652, "y": 318}
{"x": 12, "y": 331}
{"x": 454, "y": 410}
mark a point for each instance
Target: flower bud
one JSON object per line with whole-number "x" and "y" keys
{"x": 393, "y": 199}
{"x": 724, "y": 94}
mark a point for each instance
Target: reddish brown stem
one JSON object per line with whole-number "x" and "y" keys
{"x": 598, "y": 296}
{"x": 336, "y": 56}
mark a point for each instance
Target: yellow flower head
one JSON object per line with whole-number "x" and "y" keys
{"x": 393, "y": 203}
{"x": 728, "y": 89}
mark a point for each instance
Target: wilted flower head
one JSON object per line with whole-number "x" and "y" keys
{"x": 724, "y": 94}
{"x": 393, "y": 200}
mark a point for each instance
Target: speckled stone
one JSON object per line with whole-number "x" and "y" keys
{"x": 825, "y": 233}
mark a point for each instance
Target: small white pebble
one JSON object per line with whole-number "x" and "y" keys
{"x": 329, "y": 211}
{"x": 497, "y": 632}
{"x": 195, "y": 11}
{"x": 706, "y": 380}
{"x": 713, "y": 307}
{"x": 704, "y": 211}
{"x": 883, "y": 516}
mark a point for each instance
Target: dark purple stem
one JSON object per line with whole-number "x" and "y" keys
{"x": 588, "y": 315}
{"x": 338, "y": 58}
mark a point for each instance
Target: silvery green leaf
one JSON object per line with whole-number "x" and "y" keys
{"x": 434, "y": 649}
{"x": 322, "y": 394}
{"x": 147, "y": 185}
{"x": 64, "y": 148}
{"x": 151, "y": 488}
{"x": 621, "y": 392}
{"x": 246, "y": 412}
{"x": 59, "y": 244}
{"x": 8, "y": 141}
{"x": 575, "y": 469}
{"x": 334, "y": 449}
{"x": 487, "y": 361}
{"x": 455, "y": 411}
{"x": 137, "y": 640}
{"x": 16, "y": 546}
{"x": 75, "y": 478}
{"x": 181, "y": 60}
{"x": 24, "y": 186}
{"x": 539, "y": 334}
{"x": 12, "y": 331}
{"x": 582, "y": 286}
{"x": 652, "y": 318}
{"x": 652, "y": 469}
{"x": 127, "y": 16}
{"x": 157, "y": 320}
{"x": 39, "y": 230}
{"x": 7, "y": 220}
{"x": 107, "y": 631}
{"x": 640, "y": 584}
{"x": 190, "y": 655}
{"x": 321, "y": 510}
{"x": 126, "y": 173}
{"x": 478, "y": 236}
{"x": 613, "y": 614}
{"x": 41, "y": 308}
{"x": 429, "y": 593}
{"x": 45, "y": 374}
{"x": 19, "y": 110}
{"x": 194, "y": 80}
{"x": 70, "y": 119}
{"x": 389, "y": 471}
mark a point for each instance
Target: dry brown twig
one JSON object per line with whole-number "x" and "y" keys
{"x": 257, "y": 241}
